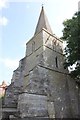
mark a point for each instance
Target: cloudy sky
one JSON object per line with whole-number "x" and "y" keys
{"x": 17, "y": 25}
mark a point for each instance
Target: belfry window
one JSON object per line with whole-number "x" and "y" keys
{"x": 56, "y": 61}
{"x": 53, "y": 44}
{"x": 33, "y": 46}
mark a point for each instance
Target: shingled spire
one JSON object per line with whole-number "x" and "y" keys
{"x": 43, "y": 23}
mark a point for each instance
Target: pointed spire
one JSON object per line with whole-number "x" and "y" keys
{"x": 43, "y": 22}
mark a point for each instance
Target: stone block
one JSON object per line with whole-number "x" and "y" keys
{"x": 32, "y": 105}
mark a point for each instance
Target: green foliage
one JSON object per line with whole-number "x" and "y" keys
{"x": 71, "y": 34}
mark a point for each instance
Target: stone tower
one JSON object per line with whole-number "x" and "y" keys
{"x": 47, "y": 91}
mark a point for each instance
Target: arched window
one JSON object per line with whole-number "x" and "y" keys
{"x": 53, "y": 44}
{"x": 33, "y": 46}
{"x": 56, "y": 61}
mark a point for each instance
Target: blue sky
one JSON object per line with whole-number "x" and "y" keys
{"x": 17, "y": 25}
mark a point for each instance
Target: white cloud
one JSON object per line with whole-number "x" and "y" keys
{"x": 3, "y": 4}
{"x": 10, "y": 63}
{"x": 3, "y": 21}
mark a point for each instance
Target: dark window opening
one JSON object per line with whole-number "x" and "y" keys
{"x": 33, "y": 46}
{"x": 56, "y": 60}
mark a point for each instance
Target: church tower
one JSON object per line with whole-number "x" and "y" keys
{"x": 44, "y": 88}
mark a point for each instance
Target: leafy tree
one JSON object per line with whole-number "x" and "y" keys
{"x": 71, "y": 34}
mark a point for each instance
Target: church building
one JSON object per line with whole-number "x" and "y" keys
{"x": 41, "y": 87}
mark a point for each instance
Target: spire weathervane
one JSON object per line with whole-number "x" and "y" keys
{"x": 42, "y": 5}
